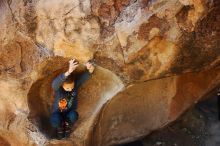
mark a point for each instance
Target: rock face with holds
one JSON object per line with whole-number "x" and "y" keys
{"x": 154, "y": 58}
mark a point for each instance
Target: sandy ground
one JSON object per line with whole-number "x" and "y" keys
{"x": 199, "y": 126}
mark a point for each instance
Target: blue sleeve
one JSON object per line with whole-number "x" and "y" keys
{"x": 58, "y": 81}
{"x": 85, "y": 76}
{"x": 55, "y": 105}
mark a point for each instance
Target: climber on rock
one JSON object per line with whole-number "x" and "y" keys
{"x": 64, "y": 113}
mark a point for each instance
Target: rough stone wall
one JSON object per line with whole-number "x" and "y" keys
{"x": 155, "y": 58}
{"x": 155, "y": 104}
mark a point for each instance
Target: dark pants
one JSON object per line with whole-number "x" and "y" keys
{"x": 57, "y": 118}
{"x": 218, "y": 99}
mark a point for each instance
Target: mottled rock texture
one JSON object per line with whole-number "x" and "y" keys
{"x": 154, "y": 59}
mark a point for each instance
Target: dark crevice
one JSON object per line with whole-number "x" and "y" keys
{"x": 41, "y": 97}
{"x": 21, "y": 57}
{"x": 9, "y": 2}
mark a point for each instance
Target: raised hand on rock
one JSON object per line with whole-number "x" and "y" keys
{"x": 72, "y": 66}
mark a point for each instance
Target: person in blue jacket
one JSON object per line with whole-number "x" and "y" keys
{"x": 64, "y": 113}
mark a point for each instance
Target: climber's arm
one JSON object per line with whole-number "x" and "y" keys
{"x": 58, "y": 81}
{"x": 85, "y": 76}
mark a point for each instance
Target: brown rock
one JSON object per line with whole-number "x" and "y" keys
{"x": 154, "y": 23}
{"x": 155, "y": 104}
{"x": 3, "y": 142}
{"x": 143, "y": 50}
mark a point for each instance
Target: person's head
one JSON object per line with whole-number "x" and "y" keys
{"x": 68, "y": 85}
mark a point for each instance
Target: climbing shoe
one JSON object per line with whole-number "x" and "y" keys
{"x": 60, "y": 133}
{"x": 67, "y": 130}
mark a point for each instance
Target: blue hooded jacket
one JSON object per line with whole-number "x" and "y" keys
{"x": 60, "y": 92}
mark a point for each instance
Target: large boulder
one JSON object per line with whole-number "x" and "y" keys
{"x": 154, "y": 59}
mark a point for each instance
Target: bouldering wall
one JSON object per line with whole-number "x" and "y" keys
{"x": 154, "y": 59}
{"x": 155, "y": 104}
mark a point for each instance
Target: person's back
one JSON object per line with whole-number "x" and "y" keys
{"x": 64, "y": 113}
